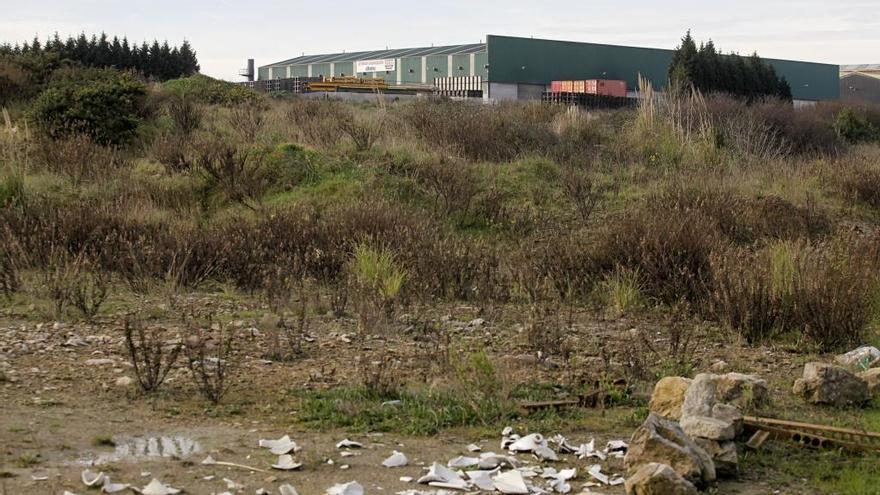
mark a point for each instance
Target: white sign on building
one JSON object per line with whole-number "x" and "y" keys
{"x": 385, "y": 65}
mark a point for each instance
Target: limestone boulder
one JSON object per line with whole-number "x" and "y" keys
{"x": 746, "y": 392}
{"x": 659, "y": 440}
{"x": 833, "y": 385}
{"x": 658, "y": 479}
{"x": 872, "y": 378}
{"x": 724, "y": 456}
{"x": 707, "y": 427}
{"x": 668, "y": 396}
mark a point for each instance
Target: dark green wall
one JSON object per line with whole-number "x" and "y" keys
{"x": 527, "y": 60}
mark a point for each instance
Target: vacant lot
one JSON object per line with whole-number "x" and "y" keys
{"x": 408, "y": 274}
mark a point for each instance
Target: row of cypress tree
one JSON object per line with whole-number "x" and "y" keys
{"x": 710, "y": 71}
{"x": 155, "y": 61}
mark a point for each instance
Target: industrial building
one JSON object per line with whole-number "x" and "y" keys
{"x": 860, "y": 83}
{"x": 510, "y": 68}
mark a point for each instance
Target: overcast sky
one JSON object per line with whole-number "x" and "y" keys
{"x": 225, "y": 33}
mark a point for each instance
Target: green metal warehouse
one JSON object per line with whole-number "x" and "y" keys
{"x": 522, "y": 68}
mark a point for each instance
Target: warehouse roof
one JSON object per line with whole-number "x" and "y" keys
{"x": 384, "y": 54}
{"x": 860, "y": 68}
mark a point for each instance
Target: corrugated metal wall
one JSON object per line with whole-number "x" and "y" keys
{"x": 532, "y": 61}
{"x": 860, "y": 88}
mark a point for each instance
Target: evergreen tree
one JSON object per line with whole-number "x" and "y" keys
{"x": 709, "y": 71}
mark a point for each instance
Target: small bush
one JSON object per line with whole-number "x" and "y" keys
{"x": 622, "y": 289}
{"x": 247, "y": 120}
{"x": 89, "y": 291}
{"x": 210, "y": 356}
{"x": 149, "y": 353}
{"x": 319, "y": 122}
{"x": 671, "y": 252}
{"x": 78, "y": 157}
{"x": 378, "y": 275}
{"x": 854, "y": 126}
{"x": 103, "y": 104}
{"x": 237, "y": 173}
{"x": 185, "y": 114}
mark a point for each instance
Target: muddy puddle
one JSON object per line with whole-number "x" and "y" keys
{"x": 135, "y": 448}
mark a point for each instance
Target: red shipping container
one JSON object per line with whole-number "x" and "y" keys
{"x": 566, "y": 86}
{"x": 577, "y": 87}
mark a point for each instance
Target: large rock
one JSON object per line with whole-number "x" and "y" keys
{"x": 707, "y": 427}
{"x": 724, "y": 456}
{"x": 668, "y": 396}
{"x": 658, "y": 479}
{"x": 663, "y": 441}
{"x": 863, "y": 358}
{"x": 729, "y": 414}
{"x": 746, "y": 392}
{"x": 872, "y": 379}
{"x": 824, "y": 383}
{"x": 700, "y": 396}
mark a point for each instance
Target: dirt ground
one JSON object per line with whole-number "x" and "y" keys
{"x": 62, "y": 411}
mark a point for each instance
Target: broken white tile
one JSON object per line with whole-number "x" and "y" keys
{"x": 350, "y": 488}
{"x": 156, "y": 487}
{"x": 283, "y": 445}
{"x": 510, "y": 482}
{"x": 287, "y": 489}
{"x": 349, "y": 444}
{"x": 286, "y": 463}
{"x": 397, "y": 459}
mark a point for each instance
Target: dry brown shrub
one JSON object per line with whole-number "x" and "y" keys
{"x": 822, "y": 291}
{"x": 79, "y": 158}
{"x": 319, "y": 122}
{"x": 151, "y": 354}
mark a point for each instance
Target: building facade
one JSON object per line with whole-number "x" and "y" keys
{"x": 522, "y": 68}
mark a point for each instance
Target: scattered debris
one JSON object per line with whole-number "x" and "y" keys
{"x": 462, "y": 462}
{"x": 286, "y": 463}
{"x": 350, "y": 488}
{"x": 92, "y": 479}
{"x": 406, "y": 479}
{"x": 397, "y": 459}
{"x": 287, "y": 489}
{"x": 442, "y": 477}
{"x": 232, "y": 485}
{"x": 156, "y": 487}
{"x": 283, "y": 445}
{"x": 209, "y": 461}
{"x": 596, "y": 472}
{"x": 474, "y": 448}
{"x": 863, "y": 358}
{"x": 349, "y": 444}
{"x": 510, "y": 482}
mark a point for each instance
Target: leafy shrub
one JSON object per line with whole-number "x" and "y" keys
{"x": 207, "y": 90}
{"x": 102, "y": 104}
{"x": 855, "y": 127}
{"x": 822, "y": 291}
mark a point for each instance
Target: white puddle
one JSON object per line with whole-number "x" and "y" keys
{"x": 135, "y": 448}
